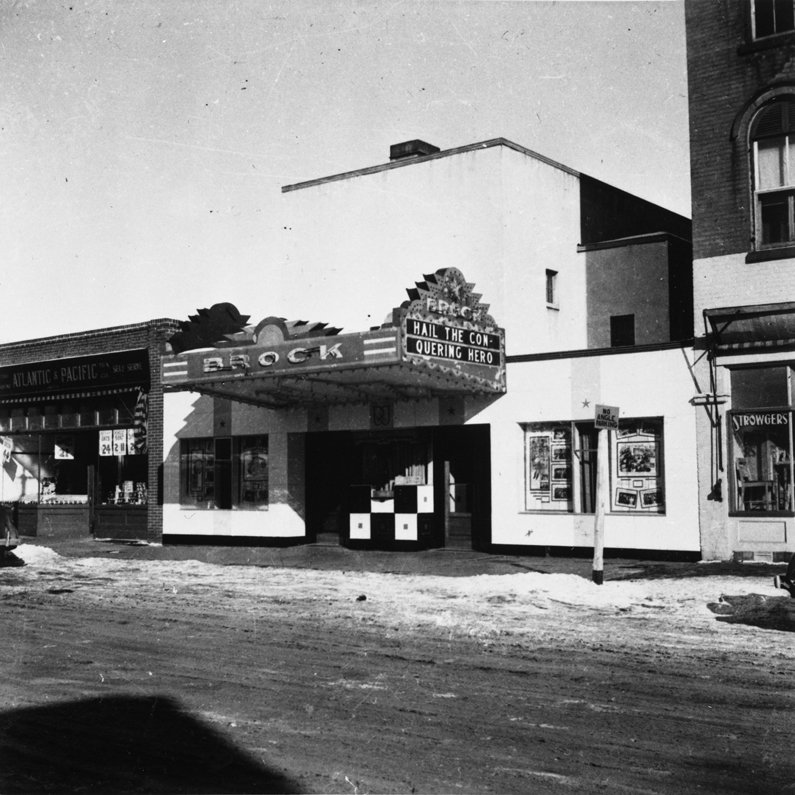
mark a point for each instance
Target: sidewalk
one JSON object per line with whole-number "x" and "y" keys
{"x": 438, "y": 562}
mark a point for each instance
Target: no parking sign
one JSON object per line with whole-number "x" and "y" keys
{"x": 606, "y": 417}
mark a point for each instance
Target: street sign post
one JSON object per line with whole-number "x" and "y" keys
{"x": 605, "y": 420}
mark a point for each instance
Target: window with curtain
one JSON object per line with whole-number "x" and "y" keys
{"x": 772, "y": 143}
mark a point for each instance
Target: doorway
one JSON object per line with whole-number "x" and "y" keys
{"x": 388, "y": 467}
{"x": 463, "y": 485}
{"x": 328, "y": 479}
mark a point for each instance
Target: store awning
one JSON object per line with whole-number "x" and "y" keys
{"x": 55, "y": 397}
{"x": 440, "y": 343}
{"x": 760, "y": 327}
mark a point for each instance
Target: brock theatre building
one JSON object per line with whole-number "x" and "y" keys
{"x": 290, "y": 430}
{"x": 455, "y": 421}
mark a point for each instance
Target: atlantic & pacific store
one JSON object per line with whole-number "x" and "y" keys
{"x": 81, "y": 433}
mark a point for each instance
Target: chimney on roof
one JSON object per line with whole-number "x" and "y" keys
{"x": 411, "y": 149}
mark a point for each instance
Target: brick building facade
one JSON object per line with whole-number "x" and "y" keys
{"x": 60, "y": 397}
{"x": 741, "y": 75}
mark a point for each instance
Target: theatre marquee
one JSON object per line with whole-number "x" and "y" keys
{"x": 440, "y": 342}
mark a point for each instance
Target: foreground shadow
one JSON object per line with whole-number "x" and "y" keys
{"x": 124, "y": 744}
{"x": 756, "y": 610}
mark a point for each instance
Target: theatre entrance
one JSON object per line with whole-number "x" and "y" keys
{"x": 403, "y": 488}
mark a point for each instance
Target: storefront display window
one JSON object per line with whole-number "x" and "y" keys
{"x": 253, "y": 465}
{"x": 121, "y": 480}
{"x": 560, "y": 467}
{"x": 637, "y": 483}
{"x": 67, "y": 467}
{"x": 548, "y": 467}
{"x": 761, "y": 439}
{"x": 225, "y": 473}
{"x": 762, "y": 459}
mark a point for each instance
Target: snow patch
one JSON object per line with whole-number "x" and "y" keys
{"x": 35, "y": 555}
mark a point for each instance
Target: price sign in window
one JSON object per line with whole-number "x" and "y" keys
{"x": 106, "y": 442}
{"x": 120, "y": 441}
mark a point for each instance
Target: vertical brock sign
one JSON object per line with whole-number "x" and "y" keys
{"x": 605, "y": 420}
{"x": 446, "y": 324}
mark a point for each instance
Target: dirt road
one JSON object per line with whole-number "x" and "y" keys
{"x": 146, "y": 676}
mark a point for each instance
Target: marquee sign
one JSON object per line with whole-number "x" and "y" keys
{"x": 440, "y": 341}
{"x": 277, "y": 347}
{"x": 282, "y": 357}
{"x": 445, "y": 324}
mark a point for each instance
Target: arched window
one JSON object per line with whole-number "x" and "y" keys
{"x": 773, "y": 142}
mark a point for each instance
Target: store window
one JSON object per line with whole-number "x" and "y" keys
{"x": 69, "y": 467}
{"x": 561, "y": 464}
{"x": 637, "y": 467}
{"x": 772, "y": 16}
{"x": 760, "y": 387}
{"x": 224, "y": 473}
{"x": 548, "y": 467}
{"x": 122, "y": 479}
{"x": 772, "y": 143}
{"x": 761, "y": 434}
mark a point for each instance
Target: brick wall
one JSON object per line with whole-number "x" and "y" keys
{"x": 150, "y": 335}
{"x": 726, "y": 72}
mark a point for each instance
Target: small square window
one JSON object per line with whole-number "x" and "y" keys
{"x": 552, "y": 288}
{"x": 622, "y": 330}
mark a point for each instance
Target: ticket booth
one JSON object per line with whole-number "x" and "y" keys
{"x": 412, "y": 487}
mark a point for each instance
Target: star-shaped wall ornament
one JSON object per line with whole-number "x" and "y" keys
{"x": 586, "y": 403}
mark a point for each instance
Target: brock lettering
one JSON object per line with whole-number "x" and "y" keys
{"x": 242, "y": 361}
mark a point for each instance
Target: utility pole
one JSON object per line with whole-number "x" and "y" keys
{"x": 605, "y": 420}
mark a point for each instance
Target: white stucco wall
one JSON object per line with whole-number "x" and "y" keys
{"x": 642, "y": 384}
{"x": 353, "y": 246}
{"x": 650, "y": 384}
{"x": 187, "y": 415}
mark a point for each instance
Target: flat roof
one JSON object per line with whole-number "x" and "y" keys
{"x": 410, "y": 161}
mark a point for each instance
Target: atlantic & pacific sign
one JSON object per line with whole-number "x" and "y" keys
{"x": 84, "y": 372}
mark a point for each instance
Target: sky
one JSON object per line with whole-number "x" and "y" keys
{"x": 144, "y": 144}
